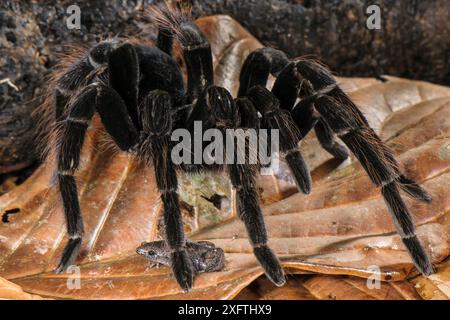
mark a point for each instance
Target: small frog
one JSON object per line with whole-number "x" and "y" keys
{"x": 205, "y": 256}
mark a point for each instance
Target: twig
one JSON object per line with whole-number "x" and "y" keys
{"x": 9, "y": 82}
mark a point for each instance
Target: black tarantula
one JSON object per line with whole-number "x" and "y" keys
{"x": 138, "y": 92}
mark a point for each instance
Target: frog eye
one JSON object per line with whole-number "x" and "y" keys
{"x": 151, "y": 252}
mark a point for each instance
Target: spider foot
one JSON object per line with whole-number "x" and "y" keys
{"x": 270, "y": 264}
{"x": 419, "y": 256}
{"x": 183, "y": 269}
{"x": 69, "y": 255}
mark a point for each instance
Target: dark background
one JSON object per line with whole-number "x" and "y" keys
{"x": 414, "y": 42}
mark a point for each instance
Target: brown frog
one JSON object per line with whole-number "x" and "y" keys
{"x": 205, "y": 256}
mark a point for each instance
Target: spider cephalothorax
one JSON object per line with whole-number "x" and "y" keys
{"x": 139, "y": 94}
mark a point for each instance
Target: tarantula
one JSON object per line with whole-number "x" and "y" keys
{"x": 139, "y": 93}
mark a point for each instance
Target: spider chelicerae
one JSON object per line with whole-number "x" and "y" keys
{"x": 139, "y": 93}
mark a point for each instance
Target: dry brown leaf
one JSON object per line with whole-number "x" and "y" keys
{"x": 328, "y": 288}
{"x": 436, "y": 286}
{"x": 11, "y": 291}
{"x": 342, "y": 228}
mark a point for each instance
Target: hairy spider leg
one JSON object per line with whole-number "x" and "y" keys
{"x": 324, "y": 83}
{"x": 243, "y": 179}
{"x": 124, "y": 77}
{"x": 71, "y": 81}
{"x": 377, "y": 159}
{"x": 328, "y": 140}
{"x": 196, "y": 52}
{"x": 276, "y": 118}
{"x": 198, "y": 58}
{"x": 118, "y": 124}
{"x": 248, "y": 114}
{"x": 164, "y": 40}
{"x": 113, "y": 112}
{"x": 224, "y": 113}
{"x": 288, "y": 87}
{"x": 157, "y": 128}
{"x": 253, "y": 78}
{"x": 258, "y": 66}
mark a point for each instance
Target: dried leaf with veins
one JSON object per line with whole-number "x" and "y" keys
{"x": 322, "y": 287}
{"x": 436, "y": 286}
{"x": 341, "y": 228}
{"x": 11, "y": 291}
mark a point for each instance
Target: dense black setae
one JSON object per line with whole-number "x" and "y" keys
{"x": 139, "y": 94}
